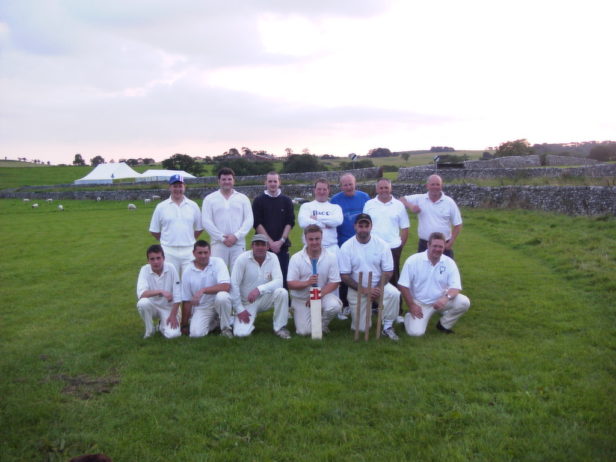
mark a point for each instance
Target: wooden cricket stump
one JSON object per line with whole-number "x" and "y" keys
{"x": 380, "y": 307}
{"x": 364, "y": 293}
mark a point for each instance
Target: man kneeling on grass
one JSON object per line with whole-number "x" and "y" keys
{"x": 159, "y": 295}
{"x": 256, "y": 285}
{"x": 300, "y": 279}
{"x": 430, "y": 283}
{"x": 205, "y": 291}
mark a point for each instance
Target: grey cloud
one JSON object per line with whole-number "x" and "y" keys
{"x": 171, "y": 114}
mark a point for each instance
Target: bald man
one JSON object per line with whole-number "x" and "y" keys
{"x": 352, "y": 202}
{"x": 436, "y": 213}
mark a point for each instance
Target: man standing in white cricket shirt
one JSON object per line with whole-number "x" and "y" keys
{"x": 300, "y": 279}
{"x": 176, "y": 223}
{"x": 159, "y": 294}
{"x": 436, "y": 213}
{"x": 322, "y": 213}
{"x": 227, "y": 217}
{"x": 390, "y": 222}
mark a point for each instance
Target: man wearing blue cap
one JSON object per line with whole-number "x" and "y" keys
{"x": 176, "y": 223}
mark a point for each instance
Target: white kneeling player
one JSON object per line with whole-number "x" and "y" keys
{"x": 159, "y": 294}
{"x": 205, "y": 291}
{"x": 300, "y": 279}
{"x": 256, "y": 285}
{"x": 366, "y": 254}
{"x": 430, "y": 283}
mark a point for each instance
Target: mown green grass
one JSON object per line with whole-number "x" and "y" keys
{"x": 529, "y": 374}
{"x": 14, "y": 177}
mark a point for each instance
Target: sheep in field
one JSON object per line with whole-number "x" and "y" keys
{"x": 60, "y": 207}
{"x": 132, "y": 207}
{"x": 35, "y": 205}
{"x": 26, "y": 199}
{"x": 155, "y": 198}
{"x": 49, "y": 200}
{"x": 147, "y": 201}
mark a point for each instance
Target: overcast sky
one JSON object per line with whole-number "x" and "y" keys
{"x": 149, "y": 78}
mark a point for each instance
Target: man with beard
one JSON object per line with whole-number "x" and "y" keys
{"x": 367, "y": 253}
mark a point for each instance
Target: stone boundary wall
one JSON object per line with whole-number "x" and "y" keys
{"x": 506, "y": 162}
{"x": 571, "y": 200}
{"x": 566, "y": 160}
{"x": 421, "y": 173}
{"x": 331, "y": 176}
{"x": 533, "y": 160}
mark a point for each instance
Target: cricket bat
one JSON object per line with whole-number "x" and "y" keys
{"x": 315, "y": 307}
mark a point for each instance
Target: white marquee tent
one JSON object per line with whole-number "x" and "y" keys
{"x": 161, "y": 175}
{"x": 106, "y": 173}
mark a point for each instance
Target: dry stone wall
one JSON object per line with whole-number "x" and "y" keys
{"x": 421, "y": 173}
{"x": 571, "y": 200}
{"x": 331, "y": 176}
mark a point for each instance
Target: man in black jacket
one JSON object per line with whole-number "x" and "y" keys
{"x": 274, "y": 217}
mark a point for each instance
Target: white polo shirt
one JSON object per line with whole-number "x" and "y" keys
{"x": 428, "y": 282}
{"x": 176, "y": 223}
{"x": 300, "y": 269}
{"x": 388, "y": 218}
{"x": 437, "y": 216}
{"x": 194, "y": 279}
{"x": 328, "y": 217}
{"x": 222, "y": 216}
{"x": 374, "y": 256}
{"x": 168, "y": 281}
{"x": 247, "y": 274}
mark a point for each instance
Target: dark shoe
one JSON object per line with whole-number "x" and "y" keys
{"x": 440, "y": 327}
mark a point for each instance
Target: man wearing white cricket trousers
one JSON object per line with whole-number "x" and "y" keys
{"x": 176, "y": 223}
{"x": 430, "y": 283}
{"x": 227, "y": 217}
{"x": 159, "y": 294}
{"x": 205, "y": 291}
{"x": 256, "y": 285}
{"x": 367, "y": 253}
{"x": 300, "y": 279}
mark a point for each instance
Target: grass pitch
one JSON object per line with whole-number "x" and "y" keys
{"x": 529, "y": 374}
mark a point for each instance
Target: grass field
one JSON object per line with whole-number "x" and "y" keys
{"x": 529, "y": 374}
{"x": 13, "y": 177}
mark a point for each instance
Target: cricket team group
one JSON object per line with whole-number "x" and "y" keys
{"x": 193, "y": 287}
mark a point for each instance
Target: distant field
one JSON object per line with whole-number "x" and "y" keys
{"x": 36, "y": 175}
{"x": 16, "y": 174}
